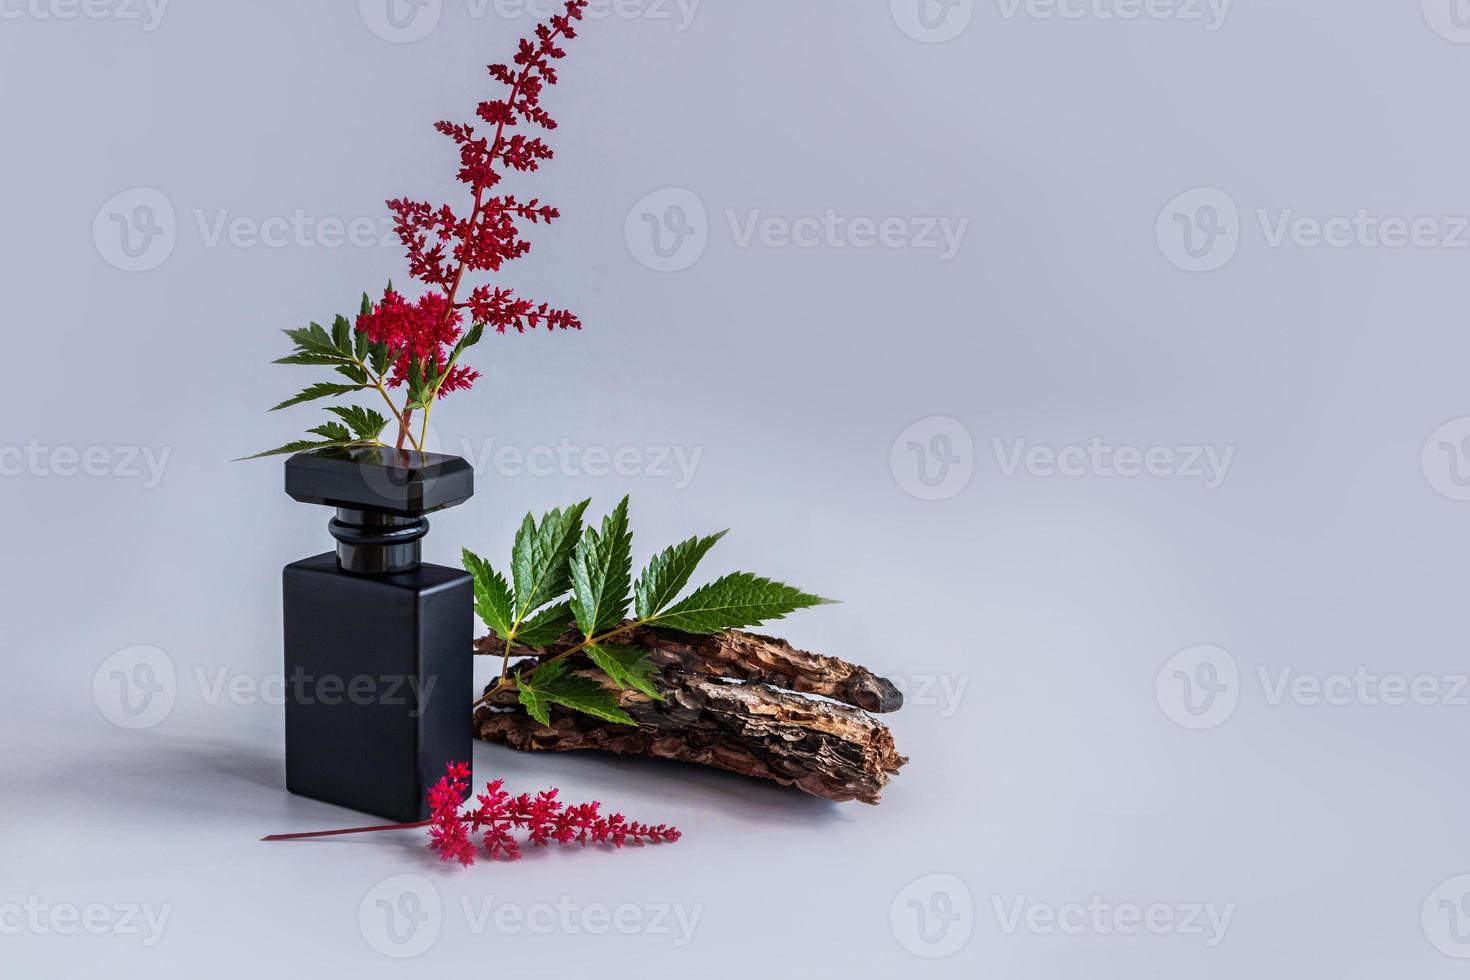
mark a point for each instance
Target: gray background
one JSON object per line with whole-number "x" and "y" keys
{"x": 1069, "y": 763}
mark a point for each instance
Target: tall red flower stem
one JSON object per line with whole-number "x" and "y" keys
{"x": 560, "y": 26}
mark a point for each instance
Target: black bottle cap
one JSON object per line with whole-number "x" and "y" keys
{"x": 381, "y": 496}
{"x": 380, "y": 479}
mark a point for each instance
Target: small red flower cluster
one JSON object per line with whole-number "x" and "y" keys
{"x": 426, "y": 331}
{"x": 544, "y": 818}
{"x": 441, "y": 245}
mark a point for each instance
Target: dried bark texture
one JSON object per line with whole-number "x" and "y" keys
{"x": 750, "y": 657}
{"x": 724, "y": 708}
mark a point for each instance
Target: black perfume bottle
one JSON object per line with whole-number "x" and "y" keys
{"x": 379, "y": 657}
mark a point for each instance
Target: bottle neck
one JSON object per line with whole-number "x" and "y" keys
{"x": 376, "y": 543}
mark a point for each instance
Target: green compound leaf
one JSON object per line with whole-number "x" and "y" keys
{"x": 492, "y": 595}
{"x": 291, "y": 449}
{"x": 735, "y": 602}
{"x": 365, "y": 423}
{"x": 628, "y": 667}
{"x": 317, "y": 391}
{"x": 546, "y": 627}
{"x": 333, "y": 432}
{"x": 602, "y": 574}
{"x": 668, "y": 573}
{"x": 555, "y": 684}
{"x": 314, "y": 340}
{"x": 539, "y": 559}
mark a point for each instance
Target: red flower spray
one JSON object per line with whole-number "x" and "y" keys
{"x": 542, "y": 817}
{"x": 442, "y": 245}
{"x": 417, "y": 345}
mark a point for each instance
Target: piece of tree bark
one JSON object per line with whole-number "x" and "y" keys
{"x": 825, "y": 749}
{"x": 722, "y": 708}
{"x": 748, "y": 657}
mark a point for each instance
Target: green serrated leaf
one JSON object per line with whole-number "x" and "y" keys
{"x": 342, "y": 336}
{"x": 668, "y": 573}
{"x": 472, "y": 337}
{"x": 313, "y": 339}
{"x": 354, "y": 374}
{"x": 492, "y": 595}
{"x": 546, "y": 627}
{"x": 734, "y": 602}
{"x": 602, "y": 573}
{"x": 313, "y": 359}
{"x": 379, "y": 358}
{"x": 317, "y": 391}
{"x": 627, "y": 666}
{"x": 536, "y": 704}
{"x": 365, "y": 423}
{"x": 539, "y": 559}
{"x": 292, "y": 449}
{"x": 555, "y": 684}
{"x": 416, "y": 393}
{"x": 334, "y": 432}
